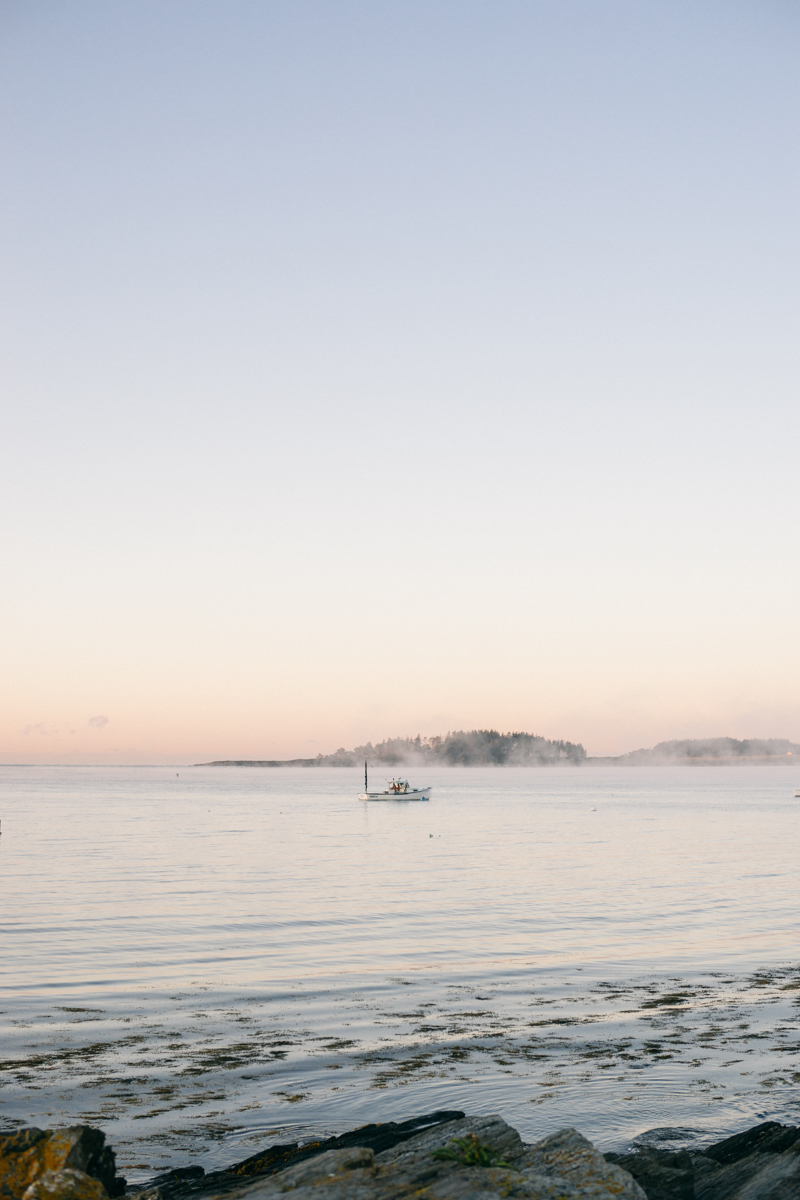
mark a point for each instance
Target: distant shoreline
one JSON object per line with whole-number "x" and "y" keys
{"x": 732, "y": 760}
{"x": 622, "y": 760}
{"x": 489, "y": 748}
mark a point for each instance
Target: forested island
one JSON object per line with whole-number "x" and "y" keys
{"x": 473, "y": 748}
{"x": 712, "y": 750}
{"x": 488, "y": 748}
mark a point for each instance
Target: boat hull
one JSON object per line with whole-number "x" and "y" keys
{"x": 416, "y": 794}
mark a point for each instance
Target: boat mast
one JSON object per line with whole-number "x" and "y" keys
{"x": 366, "y": 789}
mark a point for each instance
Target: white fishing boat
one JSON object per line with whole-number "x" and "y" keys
{"x": 397, "y": 789}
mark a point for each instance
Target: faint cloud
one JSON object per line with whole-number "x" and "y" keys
{"x": 98, "y": 722}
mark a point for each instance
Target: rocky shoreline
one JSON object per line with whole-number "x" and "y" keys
{"x": 443, "y": 1155}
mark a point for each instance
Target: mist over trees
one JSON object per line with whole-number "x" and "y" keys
{"x": 473, "y": 748}
{"x": 488, "y": 748}
{"x": 464, "y": 748}
{"x": 711, "y": 748}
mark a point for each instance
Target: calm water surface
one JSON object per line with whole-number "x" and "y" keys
{"x": 203, "y": 960}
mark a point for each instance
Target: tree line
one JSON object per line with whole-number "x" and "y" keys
{"x": 464, "y": 748}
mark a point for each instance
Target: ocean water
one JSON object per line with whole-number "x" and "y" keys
{"x": 206, "y": 960}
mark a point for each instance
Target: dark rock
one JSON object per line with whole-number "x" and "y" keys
{"x": 400, "y": 1161}
{"x": 761, "y": 1176}
{"x": 492, "y": 1131}
{"x": 763, "y": 1163}
{"x": 768, "y": 1138}
{"x": 177, "y": 1176}
{"x": 662, "y": 1174}
{"x": 702, "y": 1165}
{"x": 667, "y": 1137}
{"x": 564, "y": 1166}
{"x": 376, "y": 1137}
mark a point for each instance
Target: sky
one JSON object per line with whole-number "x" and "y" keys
{"x": 371, "y": 369}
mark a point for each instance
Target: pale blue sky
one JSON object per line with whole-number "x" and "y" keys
{"x": 390, "y": 368}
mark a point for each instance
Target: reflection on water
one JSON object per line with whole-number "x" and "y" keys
{"x": 207, "y": 960}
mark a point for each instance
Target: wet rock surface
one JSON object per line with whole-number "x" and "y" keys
{"x": 662, "y": 1175}
{"x": 769, "y": 1138}
{"x": 763, "y": 1163}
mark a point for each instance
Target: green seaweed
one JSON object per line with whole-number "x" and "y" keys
{"x": 470, "y": 1151}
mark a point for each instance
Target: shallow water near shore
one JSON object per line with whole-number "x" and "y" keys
{"x": 202, "y": 961}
